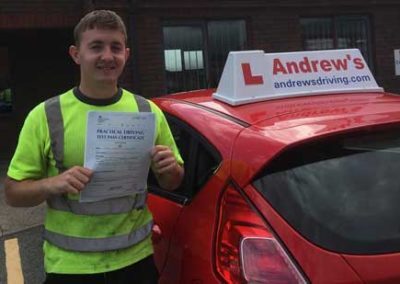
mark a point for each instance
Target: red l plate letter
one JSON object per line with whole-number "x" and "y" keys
{"x": 249, "y": 78}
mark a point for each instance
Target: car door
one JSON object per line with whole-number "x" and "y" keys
{"x": 166, "y": 205}
{"x": 201, "y": 161}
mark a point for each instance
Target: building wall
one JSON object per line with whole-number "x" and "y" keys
{"x": 40, "y": 31}
{"x": 39, "y": 69}
{"x": 386, "y": 38}
{"x": 36, "y": 35}
{"x": 272, "y": 26}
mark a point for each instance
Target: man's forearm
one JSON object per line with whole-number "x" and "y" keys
{"x": 33, "y": 192}
{"x": 26, "y": 193}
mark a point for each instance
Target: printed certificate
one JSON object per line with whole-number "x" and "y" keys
{"x": 117, "y": 149}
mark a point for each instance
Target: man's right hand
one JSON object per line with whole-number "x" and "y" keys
{"x": 71, "y": 181}
{"x": 27, "y": 193}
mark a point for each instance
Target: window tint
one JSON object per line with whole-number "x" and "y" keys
{"x": 342, "y": 194}
{"x": 201, "y": 160}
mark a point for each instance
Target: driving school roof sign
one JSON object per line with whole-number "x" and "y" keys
{"x": 251, "y": 76}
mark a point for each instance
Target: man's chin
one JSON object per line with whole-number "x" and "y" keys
{"x": 107, "y": 81}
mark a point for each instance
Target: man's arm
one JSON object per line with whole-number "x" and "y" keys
{"x": 168, "y": 172}
{"x": 27, "y": 193}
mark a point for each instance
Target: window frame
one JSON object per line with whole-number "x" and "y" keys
{"x": 335, "y": 21}
{"x": 187, "y": 191}
{"x": 203, "y": 24}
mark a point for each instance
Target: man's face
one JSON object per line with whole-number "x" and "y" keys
{"x": 101, "y": 55}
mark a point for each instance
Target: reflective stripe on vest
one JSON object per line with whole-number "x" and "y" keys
{"x": 93, "y": 244}
{"x": 111, "y": 206}
{"x": 56, "y": 130}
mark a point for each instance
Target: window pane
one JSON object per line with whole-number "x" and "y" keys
{"x": 173, "y": 60}
{"x": 193, "y": 60}
{"x": 337, "y": 32}
{"x": 5, "y": 88}
{"x": 223, "y": 36}
{"x": 317, "y": 33}
{"x": 352, "y": 32}
{"x": 200, "y": 158}
{"x": 341, "y": 193}
{"x": 205, "y": 167}
{"x": 184, "y": 59}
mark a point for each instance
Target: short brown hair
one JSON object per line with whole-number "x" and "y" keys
{"x": 101, "y": 19}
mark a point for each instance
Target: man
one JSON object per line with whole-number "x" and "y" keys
{"x": 108, "y": 241}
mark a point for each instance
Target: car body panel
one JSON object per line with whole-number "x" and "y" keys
{"x": 188, "y": 261}
{"x": 376, "y": 268}
{"x": 212, "y": 126}
{"x": 182, "y": 254}
{"x": 167, "y": 216}
{"x": 293, "y": 108}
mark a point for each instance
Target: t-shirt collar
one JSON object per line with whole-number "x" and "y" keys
{"x": 97, "y": 102}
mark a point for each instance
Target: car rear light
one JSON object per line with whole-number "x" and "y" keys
{"x": 246, "y": 250}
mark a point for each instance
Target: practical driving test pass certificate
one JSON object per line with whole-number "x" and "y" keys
{"x": 118, "y": 146}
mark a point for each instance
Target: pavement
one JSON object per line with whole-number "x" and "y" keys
{"x": 14, "y": 220}
{"x": 30, "y": 264}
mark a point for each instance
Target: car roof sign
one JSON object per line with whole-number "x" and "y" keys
{"x": 251, "y": 76}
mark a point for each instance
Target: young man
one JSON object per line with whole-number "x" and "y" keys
{"x": 108, "y": 241}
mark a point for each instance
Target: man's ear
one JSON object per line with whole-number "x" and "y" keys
{"x": 127, "y": 53}
{"x": 74, "y": 53}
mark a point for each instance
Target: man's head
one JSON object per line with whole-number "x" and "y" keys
{"x": 99, "y": 19}
{"x": 100, "y": 49}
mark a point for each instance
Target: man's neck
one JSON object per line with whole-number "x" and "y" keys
{"x": 105, "y": 91}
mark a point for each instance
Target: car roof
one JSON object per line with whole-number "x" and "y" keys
{"x": 279, "y": 124}
{"x": 296, "y": 110}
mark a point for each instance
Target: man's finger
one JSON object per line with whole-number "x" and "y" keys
{"x": 85, "y": 171}
{"x": 166, "y": 169}
{"x": 77, "y": 185}
{"x": 165, "y": 162}
{"x": 82, "y": 174}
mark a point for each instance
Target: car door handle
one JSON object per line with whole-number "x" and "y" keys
{"x": 156, "y": 234}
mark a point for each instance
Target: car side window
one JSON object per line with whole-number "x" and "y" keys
{"x": 200, "y": 158}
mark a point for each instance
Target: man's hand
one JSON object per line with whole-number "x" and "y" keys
{"x": 163, "y": 159}
{"x": 26, "y": 193}
{"x": 71, "y": 181}
{"x": 165, "y": 167}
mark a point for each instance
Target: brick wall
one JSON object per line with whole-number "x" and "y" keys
{"x": 386, "y": 38}
{"x": 32, "y": 26}
{"x": 272, "y": 26}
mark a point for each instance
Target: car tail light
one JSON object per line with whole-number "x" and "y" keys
{"x": 246, "y": 250}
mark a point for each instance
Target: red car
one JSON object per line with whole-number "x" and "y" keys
{"x": 296, "y": 189}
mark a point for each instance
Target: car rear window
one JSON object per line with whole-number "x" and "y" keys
{"x": 342, "y": 193}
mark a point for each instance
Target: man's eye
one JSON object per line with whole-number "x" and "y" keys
{"x": 117, "y": 49}
{"x": 95, "y": 47}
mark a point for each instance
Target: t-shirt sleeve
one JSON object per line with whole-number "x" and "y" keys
{"x": 30, "y": 159}
{"x": 163, "y": 133}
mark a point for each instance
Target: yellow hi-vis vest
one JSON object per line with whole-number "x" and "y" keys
{"x": 116, "y": 207}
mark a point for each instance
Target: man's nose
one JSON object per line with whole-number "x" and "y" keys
{"x": 107, "y": 54}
